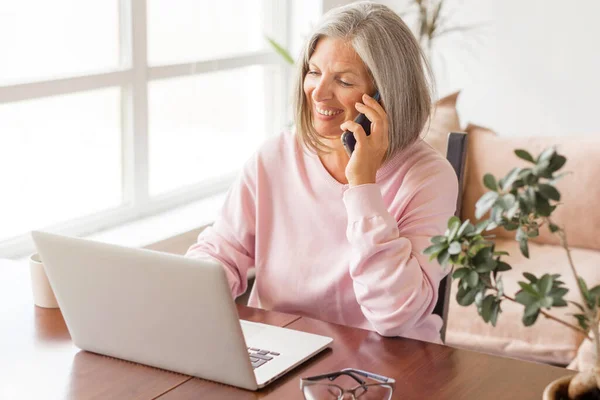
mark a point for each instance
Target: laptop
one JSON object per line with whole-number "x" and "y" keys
{"x": 165, "y": 311}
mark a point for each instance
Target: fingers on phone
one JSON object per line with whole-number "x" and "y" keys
{"x": 374, "y": 104}
{"x": 371, "y": 114}
{"x": 359, "y": 133}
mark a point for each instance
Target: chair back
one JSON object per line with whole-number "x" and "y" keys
{"x": 456, "y": 155}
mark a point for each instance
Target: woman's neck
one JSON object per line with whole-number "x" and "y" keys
{"x": 336, "y": 160}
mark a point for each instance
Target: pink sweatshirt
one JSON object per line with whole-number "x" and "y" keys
{"x": 351, "y": 256}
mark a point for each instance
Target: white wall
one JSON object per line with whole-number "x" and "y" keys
{"x": 534, "y": 70}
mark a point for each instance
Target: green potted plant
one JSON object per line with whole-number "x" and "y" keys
{"x": 523, "y": 201}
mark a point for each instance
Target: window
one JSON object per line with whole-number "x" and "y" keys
{"x": 118, "y": 109}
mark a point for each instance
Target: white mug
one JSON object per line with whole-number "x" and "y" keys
{"x": 43, "y": 296}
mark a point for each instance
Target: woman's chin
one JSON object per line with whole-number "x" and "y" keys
{"x": 329, "y": 132}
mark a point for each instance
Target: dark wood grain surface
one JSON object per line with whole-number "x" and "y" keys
{"x": 421, "y": 370}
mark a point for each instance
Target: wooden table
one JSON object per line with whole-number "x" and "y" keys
{"x": 39, "y": 361}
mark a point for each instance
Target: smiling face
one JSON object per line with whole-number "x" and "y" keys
{"x": 336, "y": 80}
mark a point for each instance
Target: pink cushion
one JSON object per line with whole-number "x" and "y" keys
{"x": 546, "y": 340}
{"x": 579, "y": 212}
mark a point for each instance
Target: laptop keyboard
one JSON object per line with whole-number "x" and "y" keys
{"x": 260, "y": 357}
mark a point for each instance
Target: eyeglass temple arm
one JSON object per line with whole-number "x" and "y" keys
{"x": 369, "y": 375}
{"x": 333, "y": 375}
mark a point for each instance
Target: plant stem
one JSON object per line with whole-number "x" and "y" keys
{"x": 591, "y": 314}
{"x": 552, "y": 317}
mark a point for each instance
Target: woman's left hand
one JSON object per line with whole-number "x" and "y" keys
{"x": 369, "y": 150}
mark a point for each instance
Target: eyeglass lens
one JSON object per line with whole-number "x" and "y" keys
{"x": 331, "y": 392}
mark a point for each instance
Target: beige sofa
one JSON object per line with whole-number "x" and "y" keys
{"x": 579, "y": 213}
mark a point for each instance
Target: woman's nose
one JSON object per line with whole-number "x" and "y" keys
{"x": 322, "y": 91}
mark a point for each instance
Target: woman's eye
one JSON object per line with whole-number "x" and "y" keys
{"x": 313, "y": 72}
{"x": 345, "y": 84}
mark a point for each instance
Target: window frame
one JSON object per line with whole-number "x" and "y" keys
{"x": 133, "y": 78}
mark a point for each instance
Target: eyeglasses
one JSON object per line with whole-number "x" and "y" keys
{"x": 316, "y": 388}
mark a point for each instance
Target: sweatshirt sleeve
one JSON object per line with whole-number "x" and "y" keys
{"x": 231, "y": 239}
{"x": 395, "y": 285}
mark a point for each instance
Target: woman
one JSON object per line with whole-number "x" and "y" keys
{"x": 338, "y": 237}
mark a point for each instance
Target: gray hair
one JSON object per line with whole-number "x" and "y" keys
{"x": 394, "y": 60}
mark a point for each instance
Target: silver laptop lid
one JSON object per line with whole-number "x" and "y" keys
{"x": 152, "y": 308}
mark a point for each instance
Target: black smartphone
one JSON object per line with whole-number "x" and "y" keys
{"x": 348, "y": 138}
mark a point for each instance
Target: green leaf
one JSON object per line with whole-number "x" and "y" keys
{"x": 281, "y": 51}
{"x": 491, "y": 225}
{"x": 434, "y": 249}
{"x": 595, "y": 291}
{"x": 524, "y": 247}
{"x": 524, "y": 204}
{"x": 484, "y": 257}
{"x": 533, "y": 233}
{"x": 496, "y": 214}
{"x": 466, "y": 297}
{"x": 453, "y": 226}
{"x": 558, "y": 302}
{"x": 438, "y": 239}
{"x": 527, "y": 287}
{"x": 542, "y": 206}
{"x": 485, "y": 203}
{"x": 524, "y": 154}
{"x": 583, "y": 286}
{"x": 509, "y": 201}
{"x": 510, "y": 178}
{"x": 531, "y": 309}
{"x": 501, "y": 266}
{"x": 495, "y": 312}
{"x": 469, "y": 231}
{"x": 530, "y": 277}
{"x": 472, "y": 279}
{"x": 482, "y": 268}
{"x": 558, "y": 177}
{"x": 548, "y": 191}
{"x": 525, "y": 298}
{"x": 545, "y": 284}
{"x": 512, "y": 211}
{"x": 526, "y": 175}
{"x": 554, "y": 228}
{"x": 542, "y": 169}
{"x": 452, "y": 222}
{"x": 485, "y": 279}
{"x": 546, "y": 155}
{"x": 480, "y": 227}
{"x": 582, "y": 320}
{"x": 557, "y": 162}
{"x": 443, "y": 257}
{"x": 479, "y": 299}
{"x": 460, "y": 273}
{"x": 528, "y": 321}
{"x": 520, "y": 234}
{"x": 490, "y": 182}
{"x": 511, "y": 226}
{"x": 546, "y": 302}
{"x": 455, "y": 248}
{"x": 462, "y": 229}
{"x": 558, "y": 292}
{"x": 487, "y": 307}
{"x": 521, "y": 237}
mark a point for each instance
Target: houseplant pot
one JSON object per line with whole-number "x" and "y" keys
{"x": 558, "y": 389}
